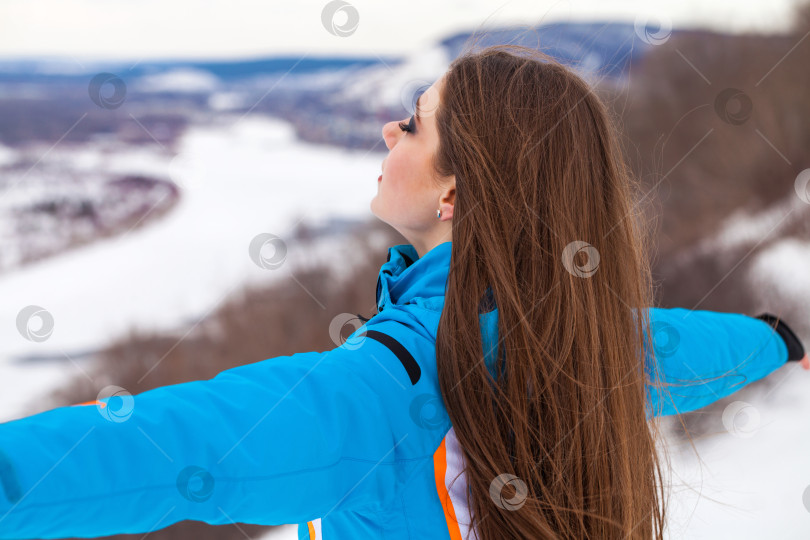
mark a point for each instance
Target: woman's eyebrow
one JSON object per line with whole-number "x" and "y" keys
{"x": 417, "y": 108}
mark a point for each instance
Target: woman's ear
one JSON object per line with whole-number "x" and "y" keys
{"x": 447, "y": 201}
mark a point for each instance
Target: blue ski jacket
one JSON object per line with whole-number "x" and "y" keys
{"x": 353, "y": 442}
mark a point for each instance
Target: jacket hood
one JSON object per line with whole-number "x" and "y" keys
{"x": 406, "y": 278}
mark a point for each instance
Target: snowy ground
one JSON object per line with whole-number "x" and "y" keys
{"x": 239, "y": 179}
{"x": 751, "y": 483}
{"x": 283, "y": 532}
{"x": 756, "y": 486}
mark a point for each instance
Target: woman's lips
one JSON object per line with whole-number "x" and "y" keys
{"x": 379, "y": 179}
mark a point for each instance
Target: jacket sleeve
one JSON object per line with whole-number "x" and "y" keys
{"x": 703, "y": 356}
{"x": 283, "y": 440}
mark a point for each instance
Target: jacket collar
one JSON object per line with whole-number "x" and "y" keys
{"x": 405, "y": 276}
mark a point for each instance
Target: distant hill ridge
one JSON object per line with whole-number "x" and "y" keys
{"x": 608, "y": 47}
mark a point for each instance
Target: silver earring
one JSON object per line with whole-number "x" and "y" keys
{"x": 438, "y": 213}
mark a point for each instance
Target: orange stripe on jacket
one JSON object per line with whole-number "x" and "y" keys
{"x": 94, "y": 402}
{"x": 314, "y": 528}
{"x": 440, "y": 470}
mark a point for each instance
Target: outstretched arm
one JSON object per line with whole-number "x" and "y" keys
{"x": 704, "y": 356}
{"x": 282, "y": 440}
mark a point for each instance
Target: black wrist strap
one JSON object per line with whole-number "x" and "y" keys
{"x": 794, "y": 345}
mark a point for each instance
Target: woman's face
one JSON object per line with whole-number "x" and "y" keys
{"x": 407, "y": 196}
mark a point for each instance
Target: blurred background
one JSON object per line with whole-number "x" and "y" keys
{"x": 185, "y": 187}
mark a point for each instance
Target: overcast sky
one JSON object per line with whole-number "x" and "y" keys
{"x": 139, "y": 29}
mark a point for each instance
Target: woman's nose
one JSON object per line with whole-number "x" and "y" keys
{"x": 389, "y": 133}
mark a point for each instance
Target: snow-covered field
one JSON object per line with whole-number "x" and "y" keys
{"x": 246, "y": 177}
{"x": 239, "y": 178}
{"x": 754, "y": 482}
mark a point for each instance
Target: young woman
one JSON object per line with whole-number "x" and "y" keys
{"x": 504, "y": 388}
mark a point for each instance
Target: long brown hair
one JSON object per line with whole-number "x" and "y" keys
{"x": 544, "y": 216}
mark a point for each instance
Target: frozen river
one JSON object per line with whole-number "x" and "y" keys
{"x": 239, "y": 178}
